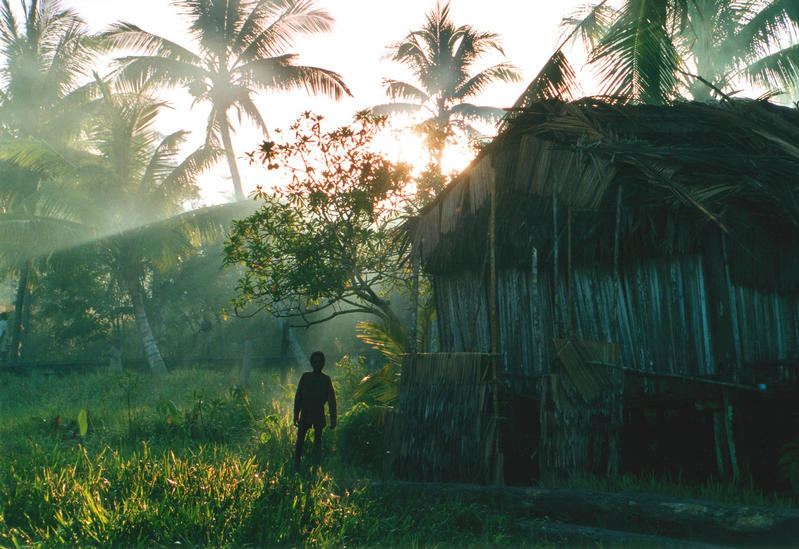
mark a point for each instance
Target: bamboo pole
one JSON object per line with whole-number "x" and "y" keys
{"x": 494, "y": 329}
{"x": 555, "y": 316}
{"x": 415, "y": 298}
{"x": 736, "y": 329}
{"x": 730, "y": 435}
{"x": 569, "y": 274}
{"x": 616, "y": 269}
{"x": 536, "y": 314}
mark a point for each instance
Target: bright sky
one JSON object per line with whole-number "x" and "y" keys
{"x": 364, "y": 28}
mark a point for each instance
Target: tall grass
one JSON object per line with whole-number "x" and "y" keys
{"x": 190, "y": 459}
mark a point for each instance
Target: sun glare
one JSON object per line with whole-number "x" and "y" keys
{"x": 401, "y": 144}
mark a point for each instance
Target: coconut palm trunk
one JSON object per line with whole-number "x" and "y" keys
{"x": 227, "y": 143}
{"x": 19, "y": 306}
{"x": 151, "y": 351}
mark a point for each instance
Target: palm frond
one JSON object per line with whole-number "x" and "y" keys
{"x": 279, "y": 73}
{"x": 637, "y": 58}
{"x": 275, "y": 26}
{"x": 28, "y": 237}
{"x": 502, "y": 72}
{"x": 9, "y": 32}
{"x": 124, "y": 36}
{"x": 556, "y": 80}
{"x": 381, "y": 386}
{"x": 194, "y": 164}
{"x": 765, "y": 28}
{"x": 467, "y": 111}
{"x": 162, "y": 161}
{"x": 37, "y": 156}
{"x": 387, "y": 109}
{"x": 588, "y": 24}
{"x": 162, "y": 71}
{"x": 777, "y": 70}
{"x": 389, "y": 343}
{"x": 397, "y": 90}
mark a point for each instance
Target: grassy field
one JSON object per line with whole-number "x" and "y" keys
{"x": 191, "y": 460}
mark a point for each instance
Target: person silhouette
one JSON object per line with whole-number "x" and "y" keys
{"x": 313, "y": 391}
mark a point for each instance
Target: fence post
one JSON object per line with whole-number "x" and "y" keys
{"x": 247, "y": 364}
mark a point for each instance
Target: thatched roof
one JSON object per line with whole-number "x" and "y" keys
{"x": 688, "y": 173}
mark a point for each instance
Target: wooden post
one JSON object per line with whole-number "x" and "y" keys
{"x": 412, "y": 347}
{"x": 617, "y": 411}
{"x": 728, "y": 428}
{"x": 718, "y": 436}
{"x": 494, "y": 329}
{"x": 616, "y": 268}
{"x": 569, "y": 297}
{"x": 555, "y": 305}
{"x": 733, "y": 307}
{"x": 536, "y": 313}
{"x": 247, "y": 363}
{"x": 722, "y": 309}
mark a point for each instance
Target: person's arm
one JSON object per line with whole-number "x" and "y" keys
{"x": 331, "y": 404}
{"x": 298, "y": 401}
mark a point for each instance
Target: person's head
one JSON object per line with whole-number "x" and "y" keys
{"x": 317, "y": 361}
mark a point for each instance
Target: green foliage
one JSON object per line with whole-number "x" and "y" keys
{"x": 347, "y": 375}
{"x": 203, "y": 419}
{"x": 83, "y": 422}
{"x": 646, "y": 51}
{"x": 240, "y": 49}
{"x": 382, "y": 386}
{"x": 360, "y": 436}
{"x": 163, "y": 488}
{"x": 323, "y": 244}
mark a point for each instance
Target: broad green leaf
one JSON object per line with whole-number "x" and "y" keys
{"x": 83, "y": 422}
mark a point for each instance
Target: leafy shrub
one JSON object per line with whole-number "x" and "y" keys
{"x": 360, "y": 436}
{"x": 205, "y": 419}
{"x": 347, "y": 376}
{"x": 275, "y": 441}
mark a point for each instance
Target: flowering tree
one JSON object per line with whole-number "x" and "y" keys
{"x": 324, "y": 244}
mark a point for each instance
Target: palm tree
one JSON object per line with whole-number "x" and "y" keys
{"x": 120, "y": 196}
{"x": 241, "y": 49}
{"x": 655, "y": 51}
{"x": 441, "y": 57}
{"x": 136, "y": 177}
{"x": 44, "y": 56}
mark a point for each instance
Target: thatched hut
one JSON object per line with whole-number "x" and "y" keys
{"x": 645, "y": 276}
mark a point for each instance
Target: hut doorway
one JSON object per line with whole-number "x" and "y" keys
{"x": 521, "y": 430}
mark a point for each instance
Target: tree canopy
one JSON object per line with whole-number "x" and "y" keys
{"x": 442, "y": 58}
{"x": 658, "y": 51}
{"x": 241, "y": 48}
{"x": 323, "y": 245}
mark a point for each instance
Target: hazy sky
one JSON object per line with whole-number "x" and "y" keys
{"x": 364, "y": 28}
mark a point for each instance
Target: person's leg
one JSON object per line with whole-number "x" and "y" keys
{"x": 302, "y": 430}
{"x": 317, "y": 444}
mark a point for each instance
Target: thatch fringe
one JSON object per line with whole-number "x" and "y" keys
{"x": 689, "y": 172}
{"x": 444, "y": 428}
